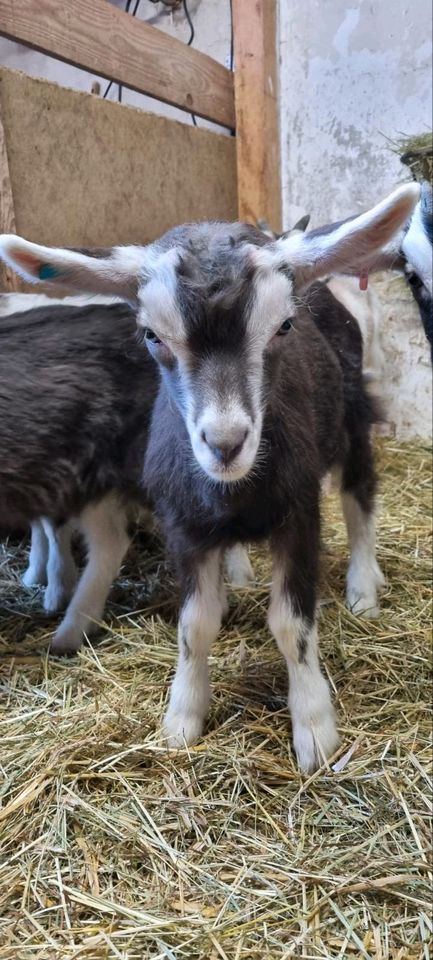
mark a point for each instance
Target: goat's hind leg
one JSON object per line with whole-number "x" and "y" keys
{"x": 104, "y": 526}
{"x": 364, "y": 576}
{"x": 62, "y": 573}
{"x": 292, "y": 620}
{"x": 238, "y": 567}
{"x": 36, "y": 573}
{"x": 199, "y": 624}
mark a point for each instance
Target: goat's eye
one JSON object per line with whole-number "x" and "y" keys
{"x": 285, "y": 327}
{"x": 150, "y": 335}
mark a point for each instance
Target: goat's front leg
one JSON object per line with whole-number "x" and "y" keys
{"x": 292, "y": 620}
{"x": 199, "y": 623}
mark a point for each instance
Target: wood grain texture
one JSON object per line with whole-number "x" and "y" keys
{"x": 89, "y": 172}
{"x": 96, "y": 36}
{"x": 9, "y": 282}
{"x": 256, "y": 102}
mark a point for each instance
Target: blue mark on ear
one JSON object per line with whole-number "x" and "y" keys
{"x": 47, "y": 272}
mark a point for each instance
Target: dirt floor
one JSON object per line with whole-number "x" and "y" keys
{"x": 111, "y": 847}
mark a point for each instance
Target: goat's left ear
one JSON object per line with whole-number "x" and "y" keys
{"x": 113, "y": 271}
{"x": 354, "y": 246}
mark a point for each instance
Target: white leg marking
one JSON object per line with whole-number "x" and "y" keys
{"x": 238, "y": 567}
{"x": 315, "y": 734}
{"x": 364, "y": 576}
{"x": 36, "y": 573}
{"x": 62, "y": 573}
{"x": 104, "y": 526}
{"x": 199, "y": 623}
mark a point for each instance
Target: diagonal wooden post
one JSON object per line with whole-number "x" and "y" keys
{"x": 256, "y": 105}
{"x": 9, "y": 282}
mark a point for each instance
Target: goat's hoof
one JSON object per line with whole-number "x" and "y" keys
{"x": 363, "y": 604}
{"x": 361, "y": 596}
{"x": 66, "y": 640}
{"x": 242, "y": 578}
{"x": 34, "y": 578}
{"x": 315, "y": 742}
{"x": 238, "y": 567}
{"x": 180, "y": 729}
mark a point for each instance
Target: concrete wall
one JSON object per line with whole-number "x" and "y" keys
{"x": 355, "y": 75}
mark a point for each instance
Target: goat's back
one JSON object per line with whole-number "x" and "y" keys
{"x": 76, "y": 392}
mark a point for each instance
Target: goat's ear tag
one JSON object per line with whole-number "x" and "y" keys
{"x": 363, "y": 280}
{"x": 47, "y": 272}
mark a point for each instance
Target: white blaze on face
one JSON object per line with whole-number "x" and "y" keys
{"x": 157, "y": 305}
{"x": 226, "y": 436}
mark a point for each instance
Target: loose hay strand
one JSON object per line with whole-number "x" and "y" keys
{"x": 417, "y": 154}
{"x": 110, "y": 847}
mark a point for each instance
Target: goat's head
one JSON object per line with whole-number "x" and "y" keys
{"x": 215, "y": 304}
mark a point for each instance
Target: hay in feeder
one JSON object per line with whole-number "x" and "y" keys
{"x": 110, "y": 847}
{"x": 417, "y": 154}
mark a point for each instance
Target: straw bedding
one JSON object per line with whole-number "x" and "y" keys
{"x": 110, "y": 847}
{"x": 417, "y": 154}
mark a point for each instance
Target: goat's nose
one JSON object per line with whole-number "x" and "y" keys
{"x": 225, "y": 451}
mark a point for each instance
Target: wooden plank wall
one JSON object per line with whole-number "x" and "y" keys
{"x": 96, "y": 36}
{"x": 257, "y": 116}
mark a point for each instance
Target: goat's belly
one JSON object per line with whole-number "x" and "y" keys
{"x": 252, "y": 526}
{"x": 248, "y": 529}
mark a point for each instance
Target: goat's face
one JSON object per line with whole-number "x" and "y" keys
{"x": 216, "y": 325}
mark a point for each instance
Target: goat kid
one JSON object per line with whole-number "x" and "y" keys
{"x": 256, "y": 403}
{"x": 51, "y": 563}
{"x": 76, "y": 396}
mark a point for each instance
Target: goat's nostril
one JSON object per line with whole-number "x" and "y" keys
{"x": 225, "y": 453}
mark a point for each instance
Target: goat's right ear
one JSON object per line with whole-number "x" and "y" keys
{"x": 113, "y": 271}
{"x": 359, "y": 245}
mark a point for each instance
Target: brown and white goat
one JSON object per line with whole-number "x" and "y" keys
{"x": 256, "y": 403}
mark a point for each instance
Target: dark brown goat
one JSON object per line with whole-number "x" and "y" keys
{"x": 76, "y": 391}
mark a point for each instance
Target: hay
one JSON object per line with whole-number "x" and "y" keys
{"x": 417, "y": 154}
{"x": 112, "y": 848}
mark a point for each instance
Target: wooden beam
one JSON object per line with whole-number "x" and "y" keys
{"x": 256, "y": 102}
{"x": 96, "y": 36}
{"x": 9, "y": 282}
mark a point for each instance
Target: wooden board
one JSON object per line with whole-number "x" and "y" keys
{"x": 8, "y": 279}
{"x": 88, "y": 172}
{"x": 257, "y": 120}
{"x": 96, "y": 36}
